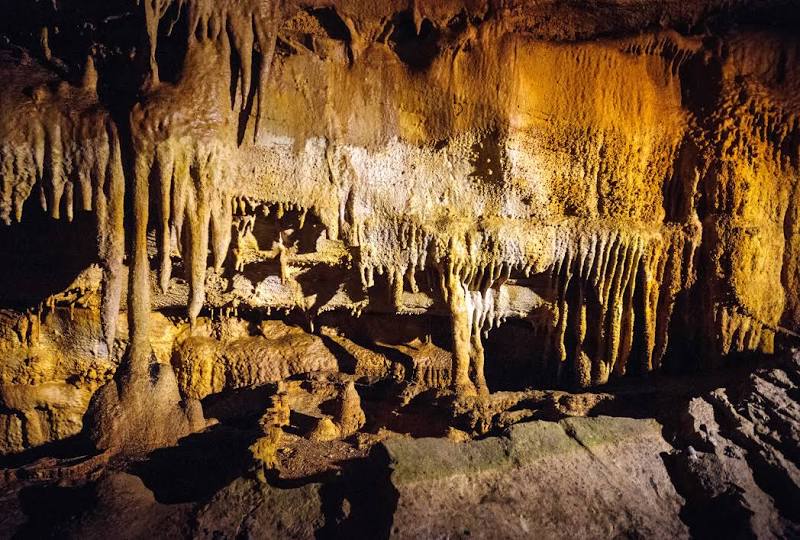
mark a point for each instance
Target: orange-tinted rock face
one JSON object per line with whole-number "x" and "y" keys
{"x": 619, "y": 178}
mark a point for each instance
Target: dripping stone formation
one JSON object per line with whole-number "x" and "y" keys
{"x": 337, "y": 259}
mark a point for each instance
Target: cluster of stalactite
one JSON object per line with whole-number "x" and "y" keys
{"x": 195, "y": 210}
{"x": 613, "y": 293}
{"x": 247, "y": 28}
{"x": 69, "y": 148}
{"x": 194, "y": 166}
{"x": 62, "y": 147}
{"x": 613, "y": 290}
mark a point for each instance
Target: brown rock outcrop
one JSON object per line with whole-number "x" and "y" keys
{"x": 205, "y": 366}
{"x": 349, "y": 416}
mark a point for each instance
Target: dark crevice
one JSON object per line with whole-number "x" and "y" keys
{"x": 42, "y": 256}
{"x": 511, "y": 352}
{"x": 173, "y": 40}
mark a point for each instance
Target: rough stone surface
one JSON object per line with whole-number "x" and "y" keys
{"x": 703, "y": 473}
{"x": 740, "y": 470}
{"x": 251, "y": 508}
{"x": 595, "y": 477}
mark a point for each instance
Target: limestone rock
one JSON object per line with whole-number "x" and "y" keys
{"x": 616, "y": 181}
{"x": 206, "y": 366}
{"x": 349, "y": 416}
{"x": 464, "y": 210}
{"x": 49, "y": 369}
{"x": 554, "y": 480}
{"x": 324, "y": 430}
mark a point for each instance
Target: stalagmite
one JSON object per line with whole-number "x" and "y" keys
{"x": 461, "y": 333}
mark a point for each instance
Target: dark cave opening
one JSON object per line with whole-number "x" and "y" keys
{"x": 332, "y": 23}
{"x": 512, "y": 357}
{"x": 172, "y": 44}
{"x": 296, "y": 228}
{"x": 42, "y": 256}
{"x": 416, "y": 50}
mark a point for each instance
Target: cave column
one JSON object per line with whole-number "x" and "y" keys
{"x": 461, "y": 329}
{"x": 139, "y": 282}
{"x": 477, "y": 361}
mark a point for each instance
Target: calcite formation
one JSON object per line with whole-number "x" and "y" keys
{"x": 617, "y": 182}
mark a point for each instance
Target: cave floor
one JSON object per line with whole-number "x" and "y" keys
{"x": 668, "y": 455}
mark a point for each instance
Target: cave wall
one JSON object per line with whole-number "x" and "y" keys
{"x": 622, "y": 179}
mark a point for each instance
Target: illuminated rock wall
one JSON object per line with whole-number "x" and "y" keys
{"x": 627, "y": 197}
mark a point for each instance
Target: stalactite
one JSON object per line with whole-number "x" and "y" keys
{"x": 194, "y": 192}
{"x": 221, "y": 226}
{"x": 110, "y": 208}
{"x": 165, "y": 162}
{"x": 246, "y": 26}
{"x": 198, "y": 217}
{"x": 622, "y": 286}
